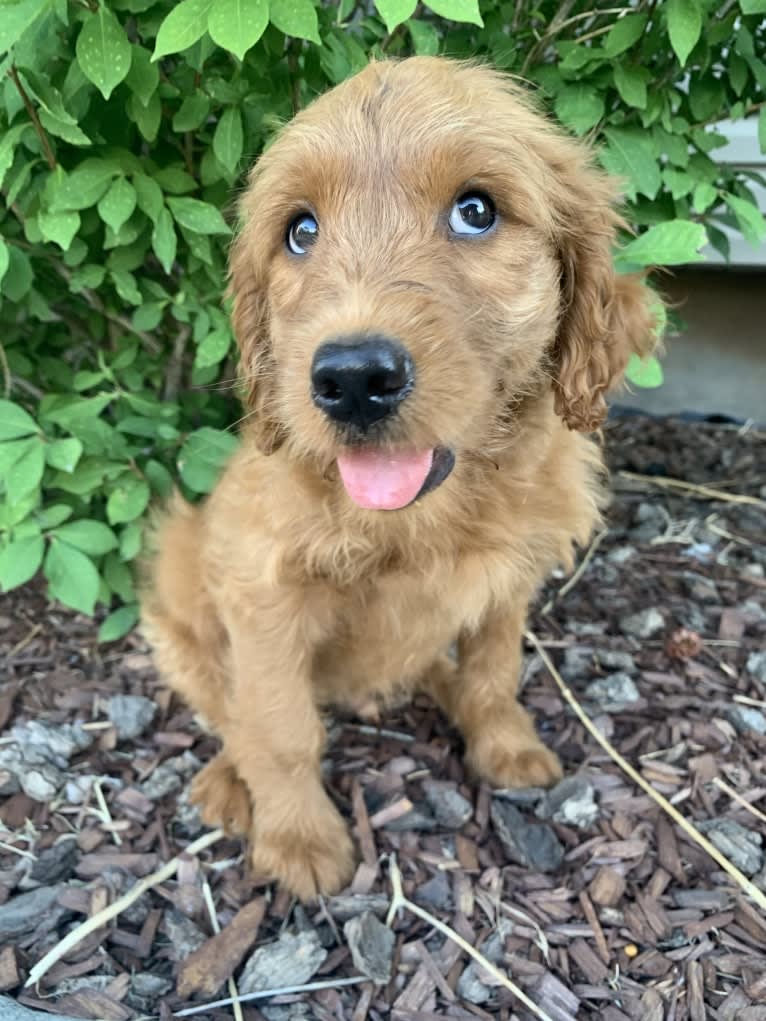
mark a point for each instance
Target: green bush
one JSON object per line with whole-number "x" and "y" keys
{"x": 124, "y": 129}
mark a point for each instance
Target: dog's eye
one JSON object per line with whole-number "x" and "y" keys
{"x": 302, "y": 233}
{"x": 473, "y": 213}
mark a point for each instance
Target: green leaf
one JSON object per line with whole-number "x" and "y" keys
{"x": 128, "y": 500}
{"x": 631, "y": 84}
{"x": 678, "y": 182}
{"x": 213, "y": 348}
{"x": 116, "y": 207}
{"x": 629, "y": 154}
{"x": 131, "y": 541}
{"x": 753, "y": 6}
{"x": 749, "y": 218}
{"x": 185, "y": 24}
{"x": 203, "y": 456}
{"x": 579, "y": 107}
{"x": 126, "y": 286}
{"x": 15, "y": 422}
{"x": 644, "y": 372}
{"x": 228, "y": 138}
{"x": 84, "y": 186}
{"x": 53, "y": 515}
{"x": 118, "y": 623}
{"x": 198, "y": 217}
{"x": 24, "y": 475}
{"x": 59, "y": 227}
{"x": 457, "y": 10}
{"x": 164, "y": 240}
{"x": 425, "y": 38}
{"x": 623, "y": 34}
{"x": 175, "y": 180}
{"x": 17, "y": 279}
{"x": 192, "y": 113}
{"x": 89, "y": 536}
{"x": 103, "y": 51}
{"x": 20, "y": 561}
{"x": 672, "y": 243}
{"x": 5, "y": 258}
{"x": 147, "y": 118}
{"x": 64, "y": 454}
{"x": 144, "y": 77}
{"x": 148, "y": 195}
{"x": 684, "y": 27}
{"x": 298, "y": 18}
{"x": 394, "y": 12}
{"x": 118, "y": 576}
{"x": 761, "y": 133}
{"x": 72, "y": 577}
{"x": 10, "y": 139}
{"x": 76, "y": 411}
{"x": 237, "y": 25}
{"x": 16, "y": 19}
{"x": 703, "y": 197}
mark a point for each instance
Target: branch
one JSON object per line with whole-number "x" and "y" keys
{"x": 41, "y": 133}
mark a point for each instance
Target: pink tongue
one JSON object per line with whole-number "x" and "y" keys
{"x": 379, "y": 480}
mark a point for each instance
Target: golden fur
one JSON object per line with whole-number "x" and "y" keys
{"x": 279, "y": 595}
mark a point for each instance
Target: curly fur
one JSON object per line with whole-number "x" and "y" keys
{"x": 279, "y": 595}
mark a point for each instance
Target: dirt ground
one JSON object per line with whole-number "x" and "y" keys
{"x": 590, "y": 899}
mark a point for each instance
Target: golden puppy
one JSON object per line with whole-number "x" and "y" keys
{"x": 428, "y": 320}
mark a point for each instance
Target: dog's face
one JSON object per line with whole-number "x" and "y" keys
{"x": 421, "y": 253}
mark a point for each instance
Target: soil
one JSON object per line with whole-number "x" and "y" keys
{"x": 593, "y": 902}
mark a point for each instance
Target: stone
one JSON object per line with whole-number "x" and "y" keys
{"x": 287, "y": 1012}
{"x": 533, "y": 845}
{"x": 21, "y": 915}
{"x": 754, "y": 570}
{"x": 183, "y": 934}
{"x": 145, "y": 991}
{"x": 10, "y": 1010}
{"x": 372, "y": 946}
{"x": 165, "y": 780}
{"x": 613, "y": 692}
{"x": 571, "y": 802}
{"x": 470, "y": 985}
{"x": 701, "y": 588}
{"x": 746, "y": 720}
{"x": 419, "y": 818}
{"x": 621, "y": 554}
{"x": 291, "y": 960}
{"x": 613, "y": 659}
{"x": 741, "y": 846}
{"x": 449, "y": 806}
{"x": 55, "y": 863}
{"x": 756, "y": 665}
{"x": 436, "y": 893}
{"x": 643, "y": 624}
{"x": 131, "y": 715}
{"x": 36, "y": 755}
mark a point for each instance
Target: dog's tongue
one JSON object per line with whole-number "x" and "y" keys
{"x": 384, "y": 480}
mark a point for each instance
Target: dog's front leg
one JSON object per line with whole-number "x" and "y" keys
{"x": 502, "y": 745}
{"x": 274, "y": 738}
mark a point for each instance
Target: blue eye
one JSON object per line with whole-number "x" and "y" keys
{"x": 473, "y": 213}
{"x": 302, "y": 233}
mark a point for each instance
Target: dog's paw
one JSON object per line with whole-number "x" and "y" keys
{"x": 310, "y": 857}
{"x": 222, "y": 796}
{"x": 504, "y": 763}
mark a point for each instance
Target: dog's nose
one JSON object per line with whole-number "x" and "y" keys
{"x": 360, "y": 381}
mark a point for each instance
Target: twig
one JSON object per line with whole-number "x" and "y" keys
{"x": 569, "y": 585}
{"x": 7, "y": 379}
{"x": 13, "y": 74}
{"x": 235, "y": 1001}
{"x": 104, "y": 813}
{"x": 175, "y": 365}
{"x": 689, "y": 828}
{"x": 310, "y": 987}
{"x": 736, "y": 796}
{"x": 398, "y": 900}
{"x": 112, "y": 910}
{"x": 24, "y": 642}
{"x": 663, "y": 482}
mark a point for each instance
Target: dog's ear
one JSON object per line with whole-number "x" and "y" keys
{"x": 605, "y": 317}
{"x": 250, "y": 321}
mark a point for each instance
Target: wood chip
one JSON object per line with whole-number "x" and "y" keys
{"x": 9, "y": 969}
{"x": 206, "y": 969}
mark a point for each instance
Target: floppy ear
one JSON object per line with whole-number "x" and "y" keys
{"x": 605, "y": 317}
{"x": 250, "y": 321}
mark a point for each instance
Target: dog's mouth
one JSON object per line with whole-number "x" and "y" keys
{"x": 390, "y": 480}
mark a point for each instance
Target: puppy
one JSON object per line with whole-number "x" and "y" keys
{"x": 428, "y": 321}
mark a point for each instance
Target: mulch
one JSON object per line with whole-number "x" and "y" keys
{"x": 596, "y": 905}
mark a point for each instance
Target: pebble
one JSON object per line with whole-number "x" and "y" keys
{"x": 533, "y": 845}
{"x": 621, "y": 554}
{"x": 613, "y": 693}
{"x": 291, "y": 960}
{"x": 131, "y": 715}
{"x": 55, "y": 863}
{"x": 470, "y": 985}
{"x": 435, "y": 893}
{"x": 572, "y": 802}
{"x": 183, "y": 934}
{"x": 372, "y": 946}
{"x": 741, "y": 846}
{"x": 449, "y": 806}
{"x": 145, "y": 991}
{"x": 36, "y": 755}
{"x": 21, "y": 915}
{"x": 756, "y": 665}
{"x": 701, "y": 588}
{"x": 746, "y": 719}
{"x": 10, "y": 1010}
{"x": 165, "y": 780}
{"x": 643, "y": 624}
{"x": 753, "y": 570}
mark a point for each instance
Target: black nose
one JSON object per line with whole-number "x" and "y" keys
{"x": 360, "y": 381}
